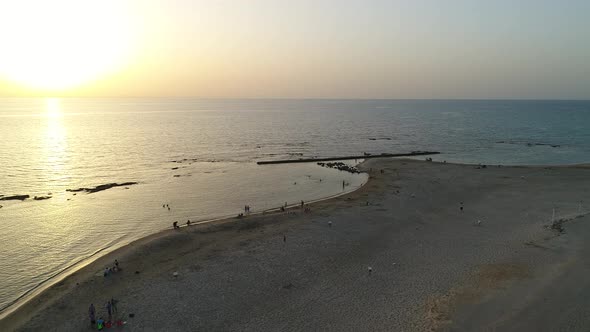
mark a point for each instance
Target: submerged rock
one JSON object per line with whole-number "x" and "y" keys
{"x": 40, "y": 198}
{"x": 102, "y": 187}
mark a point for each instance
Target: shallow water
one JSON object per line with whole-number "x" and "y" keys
{"x": 50, "y": 145}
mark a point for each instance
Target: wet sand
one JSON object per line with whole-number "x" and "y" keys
{"x": 434, "y": 267}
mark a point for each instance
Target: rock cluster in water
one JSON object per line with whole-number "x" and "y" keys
{"x": 341, "y": 167}
{"x": 529, "y": 144}
{"x": 180, "y": 161}
{"x": 102, "y": 187}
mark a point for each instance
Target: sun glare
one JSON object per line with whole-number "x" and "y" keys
{"x": 60, "y": 44}
{"x": 53, "y": 107}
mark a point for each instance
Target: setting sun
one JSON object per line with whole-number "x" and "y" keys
{"x": 57, "y": 45}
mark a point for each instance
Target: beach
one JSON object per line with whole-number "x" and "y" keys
{"x": 398, "y": 254}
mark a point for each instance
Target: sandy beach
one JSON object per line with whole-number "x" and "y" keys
{"x": 495, "y": 264}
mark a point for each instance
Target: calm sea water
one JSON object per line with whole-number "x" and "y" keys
{"x": 50, "y": 145}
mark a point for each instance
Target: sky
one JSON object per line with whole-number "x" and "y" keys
{"x": 420, "y": 49}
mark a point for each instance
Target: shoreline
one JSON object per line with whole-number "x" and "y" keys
{"x": 73, "y": 268}
{"x": 435, "y": 251}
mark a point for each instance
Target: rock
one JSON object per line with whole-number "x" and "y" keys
{"x": 14, "y": 197}
{"x": 40, "y": 198}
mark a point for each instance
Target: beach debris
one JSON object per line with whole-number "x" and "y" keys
{"x": 329, "y": 224}
{"x": 131, "y": 315}
{"x": 412, "y": 195}
{"x": 288, "y": 286}
{"x": 102, "y": 187}
{"x": 14, "y": 197}
{"x": 477, "y": 223}
{"x": 522, "y": 177}
{"x": 175, "y": 274}
{"x": 136, "y": 272}
{"x": 40, "y": 198}
{"x": 370, "y": 269}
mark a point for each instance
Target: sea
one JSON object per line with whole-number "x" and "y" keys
{"x": 199, "y": 157}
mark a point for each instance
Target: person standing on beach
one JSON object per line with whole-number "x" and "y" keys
{"x": 343, "y": 183}
{"x": 91, "y": 314}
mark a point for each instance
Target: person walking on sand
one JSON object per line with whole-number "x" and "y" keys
{"x": 114, "y": 305}
{"x": 91, "y": 314}
{"x": 110, "y": 310}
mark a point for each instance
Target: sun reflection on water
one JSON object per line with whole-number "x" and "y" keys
{"x": 55, "y": 146}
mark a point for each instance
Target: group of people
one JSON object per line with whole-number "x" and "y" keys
{"x": 110, "y": 270}
{"x": 100, "y": 323}
{"x": 175, "y": 224}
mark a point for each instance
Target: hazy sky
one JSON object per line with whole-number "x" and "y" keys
{"x": 303, "y": 48}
